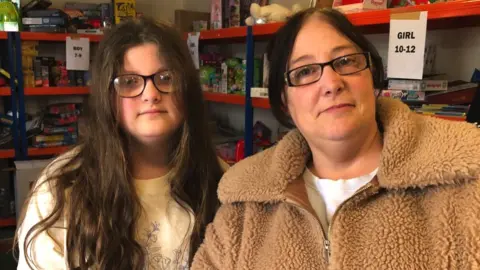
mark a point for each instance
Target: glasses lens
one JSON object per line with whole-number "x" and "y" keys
{"x": 163, "y": 81}
{"x": 350, "y": 64}
{"x": 128, "y": 85}
{"x": 305, "y": 75}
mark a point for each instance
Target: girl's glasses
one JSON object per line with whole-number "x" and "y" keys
{"x": 133, "y": 85}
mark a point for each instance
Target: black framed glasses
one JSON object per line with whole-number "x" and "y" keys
{"x": 343, "y": 65}
{"x": 133, "y": 85}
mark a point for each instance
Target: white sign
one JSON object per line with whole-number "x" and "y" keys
{"x": 406, "y": 45}
{"x": 78, "y": 53}
{"x": 192, "y": 42}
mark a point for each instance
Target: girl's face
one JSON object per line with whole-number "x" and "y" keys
{"x": 152, "y": 116}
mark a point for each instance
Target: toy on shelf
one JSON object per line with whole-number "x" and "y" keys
{"x": 270, "y": 13}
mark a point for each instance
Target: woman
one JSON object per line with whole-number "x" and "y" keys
{"x": 139, "y": 190}
{"x": 361, "y": 183}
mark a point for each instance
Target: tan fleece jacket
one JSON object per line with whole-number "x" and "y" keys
{"x": 422, "y": 211}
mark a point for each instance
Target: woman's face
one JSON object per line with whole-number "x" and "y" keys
{"x": 151, "y": 116}
{"x": 337, "y": 106}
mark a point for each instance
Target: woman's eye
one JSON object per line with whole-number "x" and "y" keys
{"x": 304, "y": 72}
{"x": 346, "y": 61}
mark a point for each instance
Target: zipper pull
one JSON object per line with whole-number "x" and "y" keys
{"x": 326, "y": 245}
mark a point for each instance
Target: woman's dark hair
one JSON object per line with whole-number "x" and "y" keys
{"x": 280, "y": 48}
{"x": 102, "y": 207}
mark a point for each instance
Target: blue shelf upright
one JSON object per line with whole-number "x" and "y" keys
{"x": 248, "y": 98}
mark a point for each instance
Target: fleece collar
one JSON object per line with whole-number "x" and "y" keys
{"x": 418, "y": 151}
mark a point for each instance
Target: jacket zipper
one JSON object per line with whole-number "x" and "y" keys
{"x": 326, "y": 235}
{"x": 362, "y": 189}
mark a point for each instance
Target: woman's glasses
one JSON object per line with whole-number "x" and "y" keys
{"x": 343, "y": 65}
{"x": 133, "y": 85}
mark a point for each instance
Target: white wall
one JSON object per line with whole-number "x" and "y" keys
{"x": 197, "y": 5}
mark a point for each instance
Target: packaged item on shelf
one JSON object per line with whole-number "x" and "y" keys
{"x": 405, "y": 95}
{"x": 7, "y": 202}
{"x": 123, "y": 9}
{"x": 265, "y": 71}
{"x": 260, "y": 92}
{"x": 59, "y": 125}
{"x": 404, "y": 3}
{"x": 234, "y": 71}
{"x": 352, "y": 6}
{"x": 44, "y": 71}
{"x": 234, "y": 7}
{"x": 216, "y": 14}
{"x": 418, "y": 85}
{"x": 200, "y": 26}
{"x": 9, "y": 12}
{"x": 6, "y": 123}
{"x": 61, "y": 78}
{"x": 207, "y": 77}
{"x": 224, "y": 79}
{"x": 29, "y": 52}
{"x": 210, "y": 71}
{"x": 257, "y": 72}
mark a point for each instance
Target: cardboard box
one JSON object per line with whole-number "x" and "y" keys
{"x": 27, "y": 172}
{"x": 184, "y": 19}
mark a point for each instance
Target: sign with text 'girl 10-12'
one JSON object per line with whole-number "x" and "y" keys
{"x": 406, "y": 45}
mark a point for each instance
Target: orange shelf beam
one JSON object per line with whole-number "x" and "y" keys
{"x": 34, "y": 36}
{"x": 3, "y": 35}
{"x": 436, "y": 12}
{"x": 458, "y": 119}
{"x": 225, "y": 33}
{"x": 8, "y": 222}
{"x": 60, "y": 90}
{"x": 47, "y": 151}
{"x": 5, "y": 91}
{"x": 7, "y": 153}
{"x": 444, "y": 10}
{"x": 235, "y": 99}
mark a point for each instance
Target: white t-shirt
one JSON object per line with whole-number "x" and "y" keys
{"x": 325, "y": 195}
{"x": 163, "y": 229}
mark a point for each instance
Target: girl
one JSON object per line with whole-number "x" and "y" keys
{"x": 139, "y": 190}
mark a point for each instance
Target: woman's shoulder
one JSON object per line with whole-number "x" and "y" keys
{"x": 263, "y": 176}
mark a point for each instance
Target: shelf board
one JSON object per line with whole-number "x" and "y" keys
{"x": 235, "y": 99}
{"x": 3, "y": 35}
{"x": 56, "y": 90}
{"x": 228, "y": 34}
{"x": 47, "y": 151}
{"x": 7, "y": 153}
{"x": 8, "y": 222}
{"x": 5, "y": 91}
{"x": 450, "y": 118}
{"x": 34, "y": 36}
{"x": 444, "y": 10}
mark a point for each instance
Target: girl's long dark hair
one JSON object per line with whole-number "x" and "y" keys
{"x": 93, "y": 188}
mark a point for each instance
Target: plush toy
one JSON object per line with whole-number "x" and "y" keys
{"x": 270, "y": 13}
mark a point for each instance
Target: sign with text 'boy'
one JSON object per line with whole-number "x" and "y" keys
{"x": 406, "y": 45}
{"x": 78, "y": 53}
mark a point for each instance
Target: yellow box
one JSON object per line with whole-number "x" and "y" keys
{"x": 123, "y": 9}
